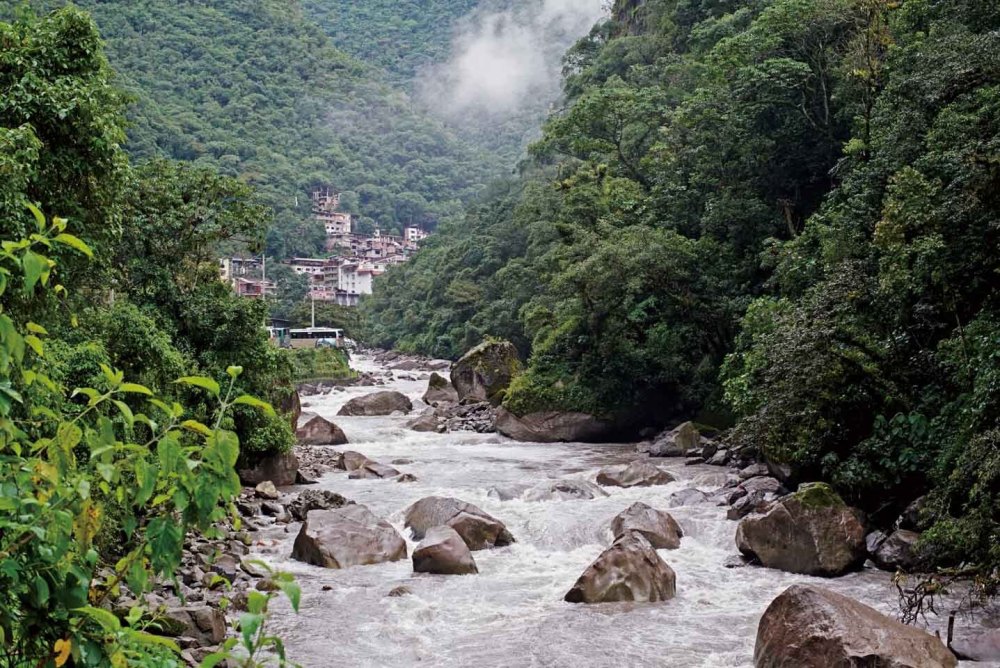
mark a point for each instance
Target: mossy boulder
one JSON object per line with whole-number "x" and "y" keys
{"x": 485, "y": 372}
{"x": 812, "y": 532}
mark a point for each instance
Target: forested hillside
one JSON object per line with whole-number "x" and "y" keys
{"x": 400, "y": 37}
{"x": 253, "y": 89}
{"x": 782, "y": 210}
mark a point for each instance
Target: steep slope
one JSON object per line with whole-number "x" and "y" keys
{"x": 398, "y": 36}
{"x": 255, "y": 89}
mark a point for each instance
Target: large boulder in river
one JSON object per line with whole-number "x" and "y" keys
{"x": 429, "y": 422}
{"x": 812, "y": 532}
{"x": 348, "y": 536}
{"x": 320, "y": 431}
{"x": 377, "y": 403}
{"x": 658, "y": 527}
{"x": 478, "y": 529}
{"x": 551, "y": 427}
{"x": 812, "y": 627}
{"x": 281, "y": 469}
{"x": 443, "y": 552}
{"x": 440, "y": 391}
{"x": 675, "y": 442}
{"x": 629, "y": 570}
{"x": 897, "y": 551}
{"x": 637, "y": 474}
{"x": 485, "y": 372}
{"x": 562, "y": 490}
{"x": 352, "y": 461}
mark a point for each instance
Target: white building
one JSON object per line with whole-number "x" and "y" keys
{"x": 413, "y": 234}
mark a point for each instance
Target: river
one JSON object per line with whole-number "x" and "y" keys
{"x": 512, "y": 612}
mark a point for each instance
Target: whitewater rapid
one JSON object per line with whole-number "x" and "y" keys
{"x": 512, "y": 612}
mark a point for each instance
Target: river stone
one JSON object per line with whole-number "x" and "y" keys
{"x": 443, "y": 552}
{"x": 914, "y": 518}
{"x": 348, "y": 536}
{"x": 675, "y": 442}
{"x": 440, "y": 391}
{"x": 207, "y": 625}
{"x": 266, "y": 490}
{"x": 687, "y": 497}
{"x": 280, "y": 469}
{"x": 551, "y": 427}
{"x": 637, "y": 474}
{"x": 562, "y": 490}
{"x": 478, "y": 529}
{"x": 314, "y": 499}
{"x": 658, "y": 527}
{"x": 983, "y": 646}
{"x": 424, "y": 423}
{"x": 812, "y": 627}
{"x": 812, "y": 532}
{"x": 377, "y": 403}
{"x": 320, "y": 431}
{"x": 352, "y": 461}
{"x": 484, "y": 373}
{"x": 506, "y": 492}
{"x": 629, "y": 570}
{"x": 898, "y": 551}
{"x": 372, "y": 469}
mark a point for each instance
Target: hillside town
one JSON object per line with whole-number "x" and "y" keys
{"x": 348, "y": 271}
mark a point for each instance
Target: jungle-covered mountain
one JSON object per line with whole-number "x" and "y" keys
{"x": 778, "y": 214}
{"x": 255, "y": 90}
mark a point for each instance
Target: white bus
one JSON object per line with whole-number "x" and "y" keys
{"x": 317, "y": 337}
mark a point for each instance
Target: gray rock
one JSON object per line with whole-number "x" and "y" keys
{"x": 377, "y": 403}
{"x": 629, "y": 570}
{"x": 314, "y": 499}
{"x": 658, "y": 527}
{"x": 440, "y": 391}
{"x": 898, "y": 551}
{"x": 637, "y": 474}
{"x": 373, "y": 470}
{"x": 687, "y": 497}
{"x": 478, "y": 529}
{"x": 812, "y": 532}
{"x": 675, "y": 442}
{"x": 812, "y": 627}
{"x": 560, "y": 490}
{"x": 320, "y": 431}
{"x": 279, "y": 469}
{"x": 348, "y": 536}
{"x": 443, "y": 552}
{"x": 551, "y": 427}
{"x": 983, "y": 646}
{"x": 267, "y": 490}
{"x": 485, "y": 372}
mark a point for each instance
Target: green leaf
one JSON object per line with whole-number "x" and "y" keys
{"x": 292, "y": 591}
{"x": 41, "y": 591}
{"x": 39, "y": 216}
{"x": 234, "y": 371}
{"x": 202, "y": 382}
{"x": 36, "y": 344}
{"x": 75, "y": 243}
{"x": 165, "y": 540}
{"x": 135, "y": 388}
{"x": 102, "y": 617}
{"x": 195, "y": 426}
{"x": 125, "y": 411}
{"x": 249, "y": 625}
{"x": 247, "y": 400}
{"x": 35, "y": 267}
{"x": 35, "y": 328}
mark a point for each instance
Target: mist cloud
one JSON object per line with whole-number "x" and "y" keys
{"x": 506, "y": 60}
